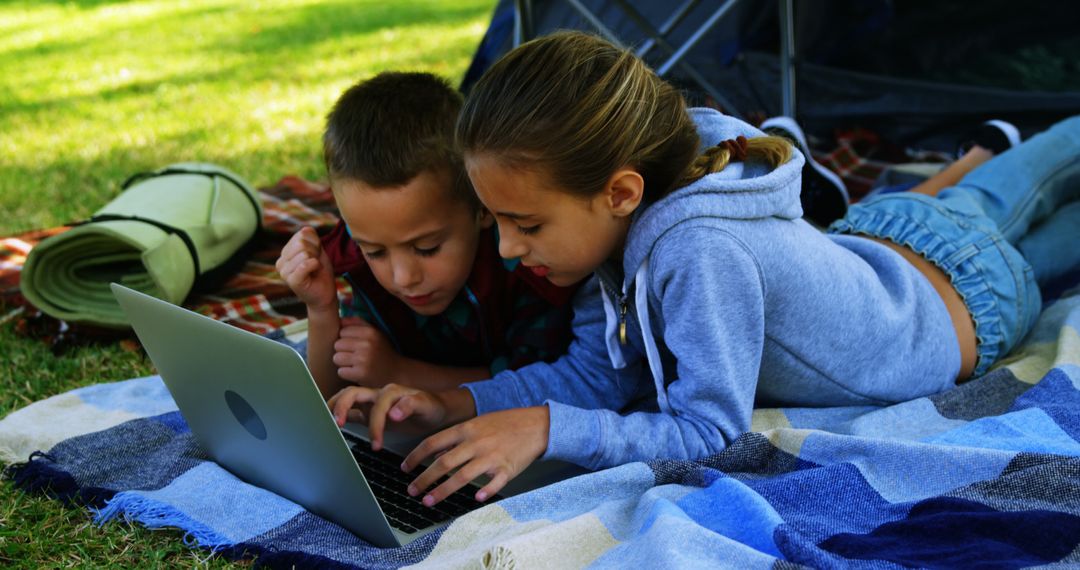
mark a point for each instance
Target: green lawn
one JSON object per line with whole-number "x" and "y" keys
{"x": 93, "y": 91}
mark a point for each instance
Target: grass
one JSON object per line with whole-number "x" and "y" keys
{"x": 93, "y": 91}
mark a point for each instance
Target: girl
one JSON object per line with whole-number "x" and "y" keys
{"x": 710, "y": 292}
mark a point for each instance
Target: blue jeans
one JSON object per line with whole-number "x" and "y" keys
{"x": 1010, "y": 224}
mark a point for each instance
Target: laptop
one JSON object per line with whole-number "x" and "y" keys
{"x": 255, "y": 408}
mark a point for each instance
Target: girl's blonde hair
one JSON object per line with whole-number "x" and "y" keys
{"x": 578, "y": 108}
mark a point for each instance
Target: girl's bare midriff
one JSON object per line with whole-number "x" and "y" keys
{"x": 958, "y": 311}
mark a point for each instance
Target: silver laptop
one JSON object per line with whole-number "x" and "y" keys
{"x": 256, "y": 410}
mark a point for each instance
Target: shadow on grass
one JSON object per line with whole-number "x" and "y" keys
{"x": 76, "y": 187}
{"x": 302, "y": 27}
{"x": 76, "y": 41}
{"x": 310, "y": 26}
{"x": 79, "y": 3}
{"x": 306, "y": 28}
{"x": 131, "y": 89}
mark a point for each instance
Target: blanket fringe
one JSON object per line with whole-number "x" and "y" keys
{"x": 153, "y": 514}
{"x": 39, "y": 474}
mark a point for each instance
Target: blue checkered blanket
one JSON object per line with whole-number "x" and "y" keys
{"x": 984, "y": 475}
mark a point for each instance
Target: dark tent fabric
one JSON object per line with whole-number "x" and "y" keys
{"x": 919, "y": 72}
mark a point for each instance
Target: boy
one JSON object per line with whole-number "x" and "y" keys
{"x": 434, "y": 305}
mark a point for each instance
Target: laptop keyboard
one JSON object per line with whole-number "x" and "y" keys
{"x": 388, "y": 482}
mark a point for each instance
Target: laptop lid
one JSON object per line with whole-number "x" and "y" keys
{"x": 256, "y": 410}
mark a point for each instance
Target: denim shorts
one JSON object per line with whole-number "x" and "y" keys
{"x": 995, "y": 281}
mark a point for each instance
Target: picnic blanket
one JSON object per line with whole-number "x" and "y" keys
{"x": 984, "y": 475}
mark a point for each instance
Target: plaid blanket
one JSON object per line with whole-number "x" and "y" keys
{"x": 984, "y": 475}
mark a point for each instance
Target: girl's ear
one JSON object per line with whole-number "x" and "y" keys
{"x": 624, "y": 192}
{"x": 484, "y": 217}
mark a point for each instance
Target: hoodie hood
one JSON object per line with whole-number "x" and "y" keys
{"x": 741, "y": 191}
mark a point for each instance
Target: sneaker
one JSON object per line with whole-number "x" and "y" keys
{"x": 995, "y": 135}
{"x": 824, "y": 197}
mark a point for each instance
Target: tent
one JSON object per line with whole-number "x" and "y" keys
{"x": 919, "y": 72}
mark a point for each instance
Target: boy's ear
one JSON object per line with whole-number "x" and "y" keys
{"x": 483, "y": 215}
{"x": 624, "y": 192}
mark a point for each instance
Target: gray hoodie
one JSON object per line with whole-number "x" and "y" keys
{"x": 730, "y": 299}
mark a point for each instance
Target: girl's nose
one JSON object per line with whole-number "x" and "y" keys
{"x": 510, "y": 245}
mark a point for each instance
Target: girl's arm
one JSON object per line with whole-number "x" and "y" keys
{"x": 584, "y": 375}
{"x": 713, "y": 311}
{"x": 711, "y": 300}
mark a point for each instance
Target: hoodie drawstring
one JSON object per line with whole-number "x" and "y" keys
{"x": 652, "y": 353}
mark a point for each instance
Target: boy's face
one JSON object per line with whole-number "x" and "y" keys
{"x": 419, "y": 239}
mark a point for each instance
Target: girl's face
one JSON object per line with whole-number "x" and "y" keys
{"x": 557, "y": 235}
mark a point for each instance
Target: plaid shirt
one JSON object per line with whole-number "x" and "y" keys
{"x": 504, "y": 318}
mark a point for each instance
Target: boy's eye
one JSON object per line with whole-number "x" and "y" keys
{"x": 427, "y": 251}
{"x": 373, "y": 254}
{"x": 529, "y": 230}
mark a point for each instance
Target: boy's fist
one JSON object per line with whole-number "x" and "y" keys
{"x": 307, "y": 270}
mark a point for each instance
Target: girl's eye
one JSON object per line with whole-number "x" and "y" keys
{"x": 427, "y": 252}
{"x": 529, "y": 230}
{"x": 373, "y": 254}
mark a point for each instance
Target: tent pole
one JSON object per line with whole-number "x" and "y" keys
{"x": 666, "y": 27}
{"x": 523, "y": 21}
{"x": 657, "y": 37}
{"x": 787, "y": 59}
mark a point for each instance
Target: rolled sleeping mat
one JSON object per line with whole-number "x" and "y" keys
{"x": 166, "y": 231}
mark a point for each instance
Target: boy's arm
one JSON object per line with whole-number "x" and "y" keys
{"x": 363, "y": 355}
{"x": 539, "y": 330}
{"x": 323, "y": 328}
{"x": 308, "y": 272}
{"x": 436, "y": 378}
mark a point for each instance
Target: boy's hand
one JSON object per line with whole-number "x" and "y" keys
{"x": 500, "y": 445}
{"x": 412, "y": 410}
{"x": 307, "y": 270}
{"x": 364, "y": 355}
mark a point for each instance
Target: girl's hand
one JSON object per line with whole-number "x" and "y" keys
{"x": 414, "y": 411}
{"x": 307, "y": 270}
{"x": 364, "y": 356}
{"x": 500, "y": 445}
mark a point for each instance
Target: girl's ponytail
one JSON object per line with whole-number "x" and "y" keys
{"x": 769, "y": 149}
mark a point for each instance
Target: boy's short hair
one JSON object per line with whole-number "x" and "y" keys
{"x": 386, "y": 130}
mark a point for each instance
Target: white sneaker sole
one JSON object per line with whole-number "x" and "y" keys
{"x": 788, "y": 124}
{"x": 1010, "y": 130}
